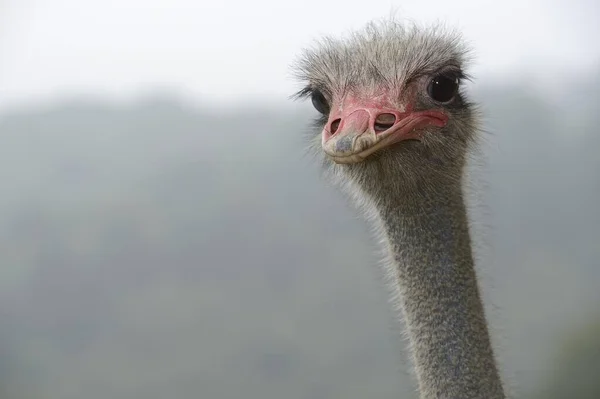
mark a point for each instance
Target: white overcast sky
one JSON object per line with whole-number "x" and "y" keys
{"x": 232, "y": 50}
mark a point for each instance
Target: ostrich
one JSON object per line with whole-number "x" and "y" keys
{"x": 396, "y": 129}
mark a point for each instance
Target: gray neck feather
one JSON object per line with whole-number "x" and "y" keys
{"x": 427, "y": 234}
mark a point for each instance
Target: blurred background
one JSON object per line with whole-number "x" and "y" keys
{"x": 162, "y": 233}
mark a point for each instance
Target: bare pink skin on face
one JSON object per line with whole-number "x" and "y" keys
{"x": 359, "y": 115}
{"x": 358, "y": 126}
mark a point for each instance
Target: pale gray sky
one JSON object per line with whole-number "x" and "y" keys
{"x": 232, "y": 50}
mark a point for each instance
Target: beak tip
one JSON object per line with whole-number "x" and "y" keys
{"x": 344, "y": 144}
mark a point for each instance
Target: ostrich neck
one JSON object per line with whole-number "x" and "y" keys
{"x": 430, "y": 246}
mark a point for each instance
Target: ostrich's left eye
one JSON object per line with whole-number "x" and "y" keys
{"x": 320, "y": 102}
{"x": 442, "y": 88}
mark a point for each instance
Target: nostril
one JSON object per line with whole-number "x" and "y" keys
{"x": 384, "y": 121}
{"x": 335, "y": 125}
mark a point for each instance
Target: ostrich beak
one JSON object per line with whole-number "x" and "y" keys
{"x": 352, "y": 134}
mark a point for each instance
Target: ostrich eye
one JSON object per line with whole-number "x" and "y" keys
{"x": 442, "y": 88}
{"x": 320, "y": 102}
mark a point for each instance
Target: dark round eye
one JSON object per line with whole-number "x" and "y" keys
{"x": 320, "y": 102}
{"x": 442, "y": 88}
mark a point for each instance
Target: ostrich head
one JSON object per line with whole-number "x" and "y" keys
{"x": 395, "y": 129}
{"x": 391, "y": 105}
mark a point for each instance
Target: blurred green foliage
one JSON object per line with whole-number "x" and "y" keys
{"x": 157, "y": 250}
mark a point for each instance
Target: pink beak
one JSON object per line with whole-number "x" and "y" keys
{"x": 353, "y": 133}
